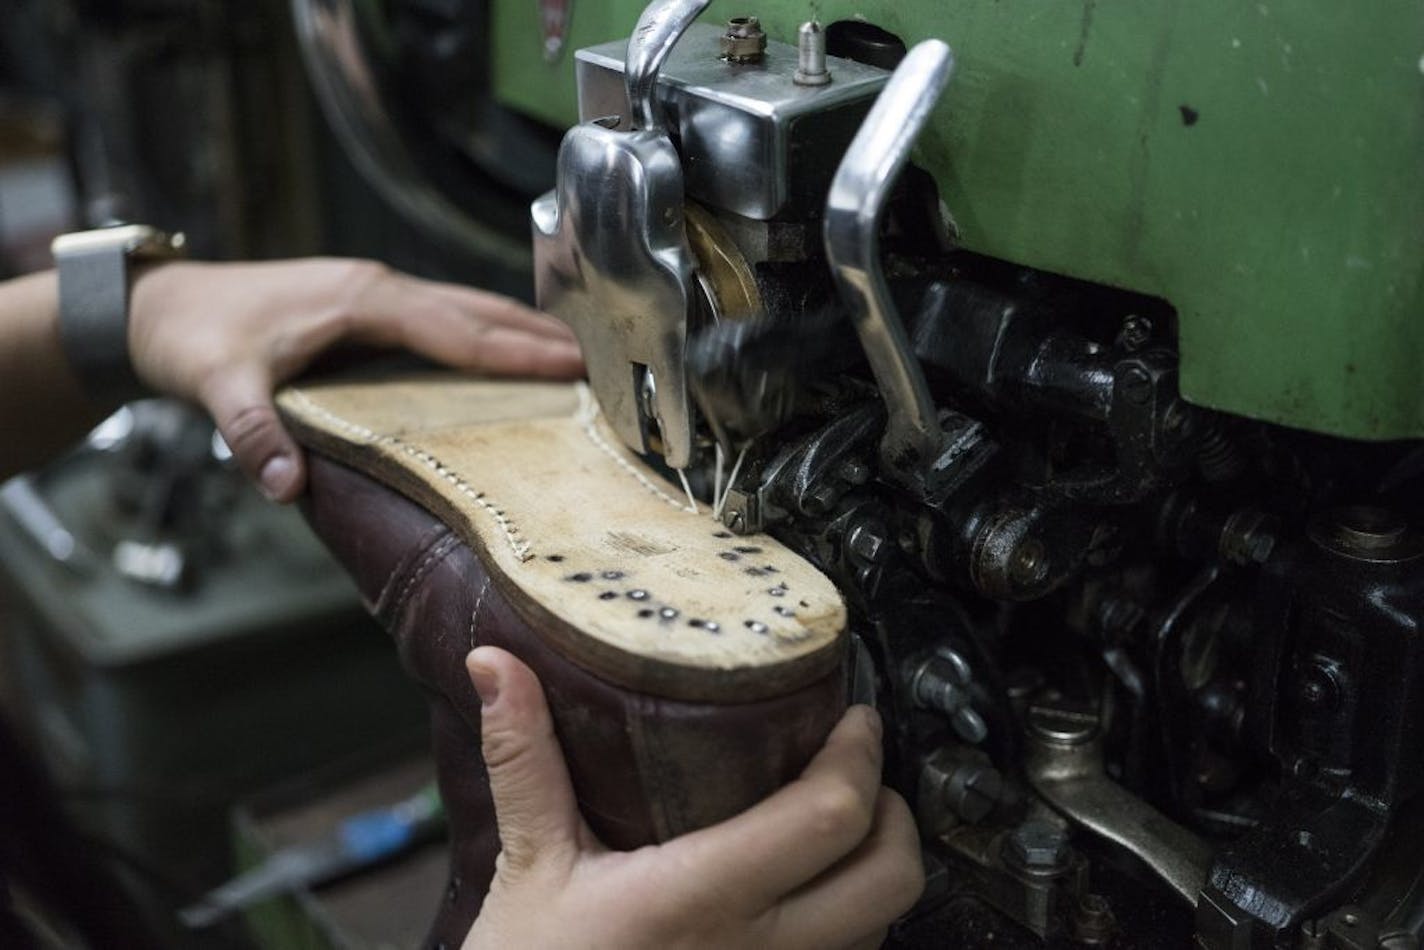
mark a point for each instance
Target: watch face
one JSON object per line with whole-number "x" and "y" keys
{"x": 136, "y": 239}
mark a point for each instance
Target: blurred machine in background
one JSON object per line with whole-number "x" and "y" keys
{"x": 171, "y": 644}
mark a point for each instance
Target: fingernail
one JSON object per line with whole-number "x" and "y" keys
{"x": 486, "y": 682}
{"x": 276, "y": 475}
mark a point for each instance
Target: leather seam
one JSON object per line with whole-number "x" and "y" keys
{"x": 475, "y": 614}
{"x": 437, "y": 533}
{"x": 436, "y": 554}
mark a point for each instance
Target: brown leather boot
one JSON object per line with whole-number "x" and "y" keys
{"x": 645, "y": 766}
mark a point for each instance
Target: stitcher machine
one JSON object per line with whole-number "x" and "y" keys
{"x": 1078, "y": 344}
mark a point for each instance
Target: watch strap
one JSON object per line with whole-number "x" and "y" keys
{"x": 94, "y": 282}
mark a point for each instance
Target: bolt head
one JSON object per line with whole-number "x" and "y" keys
{"x": 867, "y": 543}
{"x": 1318, "y": 687}
{"x": 1038, "y": 845}
{"x": 744, "y": 41}
{"x": 1136, "y": 333}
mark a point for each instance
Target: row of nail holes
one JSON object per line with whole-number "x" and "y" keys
{"x": 671, "y": 613}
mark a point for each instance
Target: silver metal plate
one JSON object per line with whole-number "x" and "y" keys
{"x": 611, "y": 260}
{"x": 752, "y": 141}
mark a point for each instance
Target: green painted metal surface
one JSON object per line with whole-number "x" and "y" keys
{"x": 1258, "y": 165}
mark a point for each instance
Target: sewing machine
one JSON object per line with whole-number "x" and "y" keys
{"x": 1083, "y": 366}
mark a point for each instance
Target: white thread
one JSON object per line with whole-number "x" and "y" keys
{"x": 521, "y": 548}
{"x": 587, "y": 413}
{"x": 732, "y": 479}
{"x": 719, "y": 460}
{"x": 682, "y": 477}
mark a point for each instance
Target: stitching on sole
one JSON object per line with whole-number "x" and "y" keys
{"x": 522, "y": 549}
{"x": 588, "y": 412}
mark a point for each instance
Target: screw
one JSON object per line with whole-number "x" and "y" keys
{"x": 1028, "y": 565}
{"x": 1319, "y": 686}
{"x": 1136, "y": 333}
{"x": 1248, "y": 537}
{"x": 811, "y": 55}
{"x": 940, "y": 682}
{"x": 867, "y": 543}
{"x": 1037, "y": 845}
{"x": 953, "y": 785}
{"x": 1093, "y": 921}
{"x": 974, "y": 791}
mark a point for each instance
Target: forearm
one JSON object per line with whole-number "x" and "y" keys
{"x": 43, "y": 408}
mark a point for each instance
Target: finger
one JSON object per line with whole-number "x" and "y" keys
{"x": 506, "y": 311}
{"x": 497, "y": 350}
{"x": 240, "y": 402}
{"x": 534, "y": 803}
{"x": 448, "y": 334}
{"x": 395, "y": 298}
{"x": 805, "y": 827}
{"x": 853, "y": 903}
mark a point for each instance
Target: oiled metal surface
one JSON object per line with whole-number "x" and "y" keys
{"x": 1069, "y": 775}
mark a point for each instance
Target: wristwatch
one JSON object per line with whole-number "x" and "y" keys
{"x": 95, "y": 271}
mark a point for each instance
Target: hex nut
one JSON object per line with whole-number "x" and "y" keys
{"x": 1037, "y": 845}
{"x": 744, "y": 41}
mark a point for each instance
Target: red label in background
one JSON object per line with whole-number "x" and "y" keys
{"x": 554, "y": 19}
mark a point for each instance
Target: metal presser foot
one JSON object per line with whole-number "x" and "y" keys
{"x": 611, "y": 257}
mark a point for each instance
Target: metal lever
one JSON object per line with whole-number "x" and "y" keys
{"x": 659, "y": 28}
{"x": 854, "y": 207}
{"x": 611, "y": 257}
{"x": 1064, "y": 761}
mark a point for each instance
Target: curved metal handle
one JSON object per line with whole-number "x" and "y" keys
{"x": 659, "y": 28}
{"x": 854, "y": 206}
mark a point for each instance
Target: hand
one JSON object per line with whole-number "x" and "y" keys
{"x": 828, "y": 861}
{"x": 225, "y": 335}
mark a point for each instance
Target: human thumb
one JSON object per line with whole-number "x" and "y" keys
{"x": 534, "y": 803}
{"x": 240, "y": 402}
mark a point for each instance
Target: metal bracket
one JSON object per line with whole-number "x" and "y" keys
{"x": 611, "y": 257}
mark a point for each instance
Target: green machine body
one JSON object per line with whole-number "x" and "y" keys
{"x": 1256, "y": 165}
